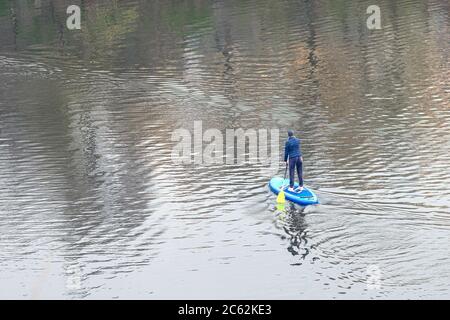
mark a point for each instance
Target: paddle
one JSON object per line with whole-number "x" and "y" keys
{"x": 281, "y": 198}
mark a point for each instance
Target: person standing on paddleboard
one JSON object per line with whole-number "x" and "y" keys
{"x": 293, "y": 152}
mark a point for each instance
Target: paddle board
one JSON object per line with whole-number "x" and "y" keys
{"x": 304, "y": 198}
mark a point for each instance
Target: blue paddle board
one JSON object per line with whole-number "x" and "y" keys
{"x": 304, "y": 198}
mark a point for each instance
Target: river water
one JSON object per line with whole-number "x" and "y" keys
{"x": 93, "y": 206}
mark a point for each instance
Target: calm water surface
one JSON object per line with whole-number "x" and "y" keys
{"x": 91, "y": 205}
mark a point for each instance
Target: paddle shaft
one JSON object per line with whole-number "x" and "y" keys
{"x": 285, "y": 172}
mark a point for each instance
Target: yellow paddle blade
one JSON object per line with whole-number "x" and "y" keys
{"x": 281, "y": 198}
{"x": 280, "y": 207}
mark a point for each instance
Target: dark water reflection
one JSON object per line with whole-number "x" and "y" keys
{"x": 92, "y": 206}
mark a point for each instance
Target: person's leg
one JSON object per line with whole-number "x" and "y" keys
{"x": 299, "y": 166}
{"x": 292, "y": 162}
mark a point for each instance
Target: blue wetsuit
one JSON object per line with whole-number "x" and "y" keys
{"x": 293, "y": 151}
